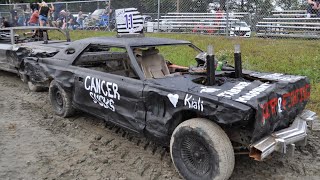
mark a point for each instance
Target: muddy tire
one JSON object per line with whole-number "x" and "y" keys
{"x": 200, "y": 149}
{"x": 34, "y": 88}
{"x": 61, "y": 101}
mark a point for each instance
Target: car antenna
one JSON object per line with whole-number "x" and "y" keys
{"x": 129, "y": 23}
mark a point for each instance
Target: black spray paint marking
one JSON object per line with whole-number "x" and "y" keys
{"x": 192, "y": 103}
{"x": 235, "y": 90}
{"x": 253, "y": 93}
{"x": 102, "y": 92}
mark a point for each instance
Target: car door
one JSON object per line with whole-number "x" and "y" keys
{"x": 111, "y": 95}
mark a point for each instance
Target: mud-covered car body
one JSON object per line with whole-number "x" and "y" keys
{"x": 17, "y": 43}
{"x": 248, "y": 108}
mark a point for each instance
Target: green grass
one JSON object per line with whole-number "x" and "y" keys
{"x": 290, "y": 56}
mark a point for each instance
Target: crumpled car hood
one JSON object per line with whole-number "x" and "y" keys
{"x": 52, "y": 46}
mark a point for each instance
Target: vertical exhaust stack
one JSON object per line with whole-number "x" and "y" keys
{"x": 211, "y": 69}
{"x": 45, "y": 38}
{"x": 237, "y": 61}
{"x": 68, "y": 36}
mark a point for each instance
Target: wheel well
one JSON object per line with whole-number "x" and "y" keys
{"x": 180, "y": 117}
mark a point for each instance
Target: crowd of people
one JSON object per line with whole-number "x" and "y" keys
{"x": 44, "y": 14}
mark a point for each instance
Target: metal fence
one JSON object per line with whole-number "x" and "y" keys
{"x": 264, "y": 18}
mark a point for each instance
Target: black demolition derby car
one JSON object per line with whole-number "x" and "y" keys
{"x": 128, "y": 82}
{"x": 200, "y": 113}
{"x": 17, "y": 43}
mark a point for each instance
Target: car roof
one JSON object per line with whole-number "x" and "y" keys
{"x": 132, "y": 41}
{"x": 30, "y": 27}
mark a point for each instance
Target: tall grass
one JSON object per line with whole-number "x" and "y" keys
{"x": 290, "y": 56}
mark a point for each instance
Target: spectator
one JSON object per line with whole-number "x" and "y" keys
{"x": 58, "y": 7}
{"x": 60, "y": 20}
{"x": 80, "y": 19}
{"x": 5, "y": 23}
{"x": 14, "y": 17}
{"x": 44, "y": 13}
{"x": 65, "y": 20}
{"x": 69, "y": 21}
{"x": 34, "y": 20}
{"x": 313, "y": 8}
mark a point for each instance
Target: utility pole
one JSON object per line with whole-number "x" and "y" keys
{"x": 159, "y": 3}
{"x": 109, "y": 14}
{"x": 227, "y": 18}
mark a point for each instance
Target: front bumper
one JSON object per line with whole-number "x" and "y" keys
{"x": 284, "y": 140}
{"x": 240, "y": 33}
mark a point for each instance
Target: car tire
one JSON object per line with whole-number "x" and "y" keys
{"x": 200, "y": 149}
{"x": 34, "y": 88}
{"x": 61, "y": 101}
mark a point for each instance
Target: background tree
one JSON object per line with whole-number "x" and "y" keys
{"x": 290, "y": 4}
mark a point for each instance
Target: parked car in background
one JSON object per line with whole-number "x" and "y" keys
{"x": 240, "y": 28}
{"x": 76, "y": 15}
{"x": 97, "y": 13}
{"x": 146, "y": 18}
{"x": 164, "y": 26}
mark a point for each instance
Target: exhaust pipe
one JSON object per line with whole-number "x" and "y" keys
{"x": 45, "y": 37}
{"x": 237, "y": 61}
{"x": 211, "y": 69}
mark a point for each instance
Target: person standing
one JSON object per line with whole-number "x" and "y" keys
{"x": 80, "y": 19}
{"x": 5, "y": 23}
{"x": 14, "y": 17}
{"x": 44, "y": 13}
{"x": 34, "y": 20}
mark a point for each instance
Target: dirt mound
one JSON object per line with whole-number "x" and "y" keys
{"x": 36, "y": 144}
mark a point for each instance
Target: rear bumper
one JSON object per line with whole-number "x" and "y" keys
{"x": 284, "y": 140}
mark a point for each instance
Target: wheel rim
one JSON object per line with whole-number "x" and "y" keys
{"x": 195, "y": 155}
{"x": 59, "y": 99}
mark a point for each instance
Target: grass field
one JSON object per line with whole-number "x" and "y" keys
{"x": 291, "y": 56}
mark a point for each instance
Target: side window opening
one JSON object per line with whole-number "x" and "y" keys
{"x": 113, "y": 60}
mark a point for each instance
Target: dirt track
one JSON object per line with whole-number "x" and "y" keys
{"x": 36, "y": 144}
